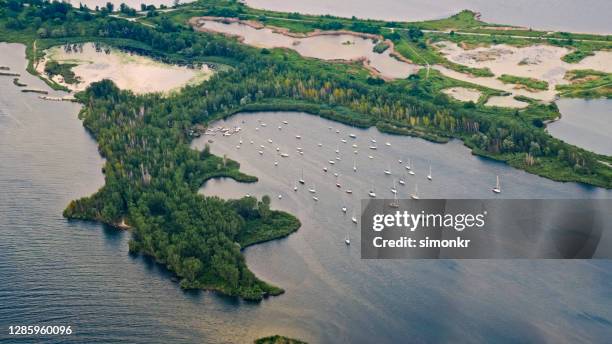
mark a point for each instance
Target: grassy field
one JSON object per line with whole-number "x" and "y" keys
{"x": 586, "y": 83}
{"x": 529, "y": 83}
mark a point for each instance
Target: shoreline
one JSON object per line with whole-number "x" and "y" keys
{"x": 196, "y": 23}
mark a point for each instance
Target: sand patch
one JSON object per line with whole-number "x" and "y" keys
{"x": 137, "y": 73}
{"x": 463, "y": 94}
{"x": 542, "y": 62}
{"x": 506, "y": 101}
{"x": 343, "y": 46}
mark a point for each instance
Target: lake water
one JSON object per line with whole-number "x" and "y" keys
{"x": 565, "y": 15}
{"x": 340, "y": 297}
{"x": 80, "y": 274}
{"x": 586, "y": 123}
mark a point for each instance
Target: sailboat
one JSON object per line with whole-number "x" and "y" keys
{"x": 331, "y": 162}
{"x": 429, "y": 175}
{"x": 312, "y": 189}
{"x": 388, "y": 171}
{"x": 409, "y": 168}
{"x": 295, "y": 188}
{"x": 276, "y": 163}
{"x": 354, "y": 165}
{"x": 324, "y": 168}
{"x": 344, "y": 209}
{"x": 349, "y": 191}
{"x": 337, "y": 183}
{"x": 338, "y": 149}
{"x": 348, "y": 239}
{"x": 394, "y": 204}
{"x": 373, "y": 141}
{"x": 401, "y": 181}
{"x": 353, "y": 218}
{"x": 285, "y": 122}
{"x": 315, "y": 198}
{"x": 393, "y": 189}
{"x": 240, "y": 142}
{"x": 301, "y": 180}
{"x": 372, "y": 193}
{"x": 387, "y": 143}
{"x": 415, "y": 195}
{"x": 353, "y": 136}
{"x": 497, "y": 188}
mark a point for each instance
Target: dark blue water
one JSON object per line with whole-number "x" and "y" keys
{"x": 55, "y": 272}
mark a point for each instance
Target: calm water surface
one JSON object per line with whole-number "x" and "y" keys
{"x": 565, "y": 15}
{"x": 585, "y": 123}
{"x": 330, "y": 290}
{"x": 80, "y": 274}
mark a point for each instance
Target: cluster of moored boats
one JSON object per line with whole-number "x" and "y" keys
{"x": 372, "y": 145}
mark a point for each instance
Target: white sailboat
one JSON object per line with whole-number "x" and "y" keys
{"x": 497, "y": 188}
{"x": 337, "y": 182}
{"x": 348, "y": 239}
{"x": 388, "y": 171}
{"x": 393, "y": 189}
{"x": 353, "y": 218}
{"x": 315, "y": 198}
{"x": 354, "y": 165}
{"x": 301, "y": 180}
{"x": 429, "y": 175}
{"x": 372, "y": 193}
{"x": 349, "y": 191}
{"x": 394, "y": 204}
{"x": 324, "y": 168}
{"x": 415, "y": 195}
{"x": 312, "y": 189}
{"x": 338, "y": 149}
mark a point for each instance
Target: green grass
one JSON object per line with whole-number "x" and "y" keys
{"x": 53, "y": 68}
{"x": 529, "y": 83}
{"x": 586, "y": 83}
{"x": 380, "y": 47}
{"x": 577, "y": 56}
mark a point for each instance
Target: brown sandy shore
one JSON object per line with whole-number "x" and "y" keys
{"x": 196, "y": 23}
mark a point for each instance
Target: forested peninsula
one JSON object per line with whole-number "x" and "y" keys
{"x": 152, "y": 175}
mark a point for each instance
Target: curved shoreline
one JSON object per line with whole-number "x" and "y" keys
{"x": 197, "y": 24}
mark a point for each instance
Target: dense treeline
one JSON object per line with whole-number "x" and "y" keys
{"x": 152, "y": 176}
